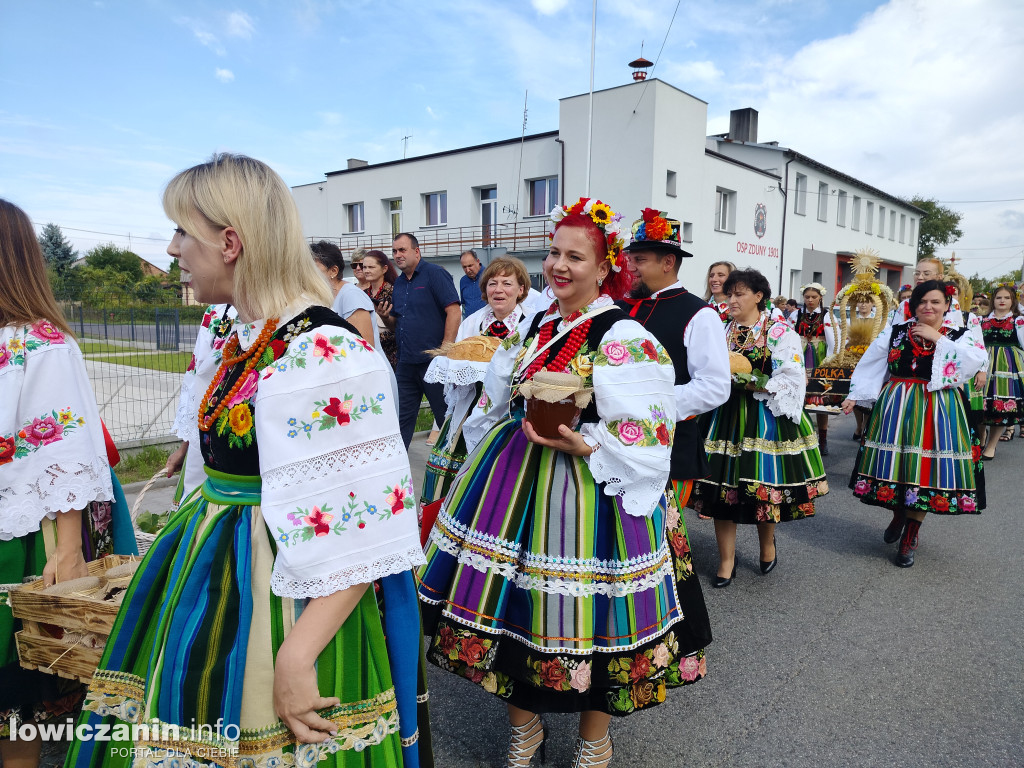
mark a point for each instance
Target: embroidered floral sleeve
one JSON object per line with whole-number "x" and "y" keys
{"x": 788, "y": 383}
{"x": 633, "y": 388}
{"x": 956, "y": 361}
{"x": 1018, "y": 326}
{"x": 871, "y": 370}
{"x": 52, "y": 454}
{"x": 337, "y": 489}
{"x": 492, "y": 405}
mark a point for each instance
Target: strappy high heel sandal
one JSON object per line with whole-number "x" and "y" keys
{"x": 593, "y": 754}
{"x": 524, "y": 741}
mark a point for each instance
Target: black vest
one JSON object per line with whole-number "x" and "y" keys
{"x": 666, "y": 317}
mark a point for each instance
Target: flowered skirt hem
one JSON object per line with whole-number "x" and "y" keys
{"x": 1004, "y": 394}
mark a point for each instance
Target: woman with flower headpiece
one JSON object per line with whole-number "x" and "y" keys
{"x": 1003, "y": 331}
{"x": 917, "y": 454}
{"x": 814, "y": 327}
{"x": 765, "y": 465}
{"x": 550, "y": 580}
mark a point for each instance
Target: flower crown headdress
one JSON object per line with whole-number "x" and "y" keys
{"x": 814, "y": 287}
{"x": 950, "y": 290}
{"x": 606, "y": 220}
{"x": 906, "y": 287}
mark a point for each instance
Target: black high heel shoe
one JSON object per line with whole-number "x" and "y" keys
{"x": 768, "y": 567}
{"x": 721, "y": 581}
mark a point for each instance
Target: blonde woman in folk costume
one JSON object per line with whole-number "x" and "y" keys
{"x": 714, "y": 295}
{"x": 814, "y": 327}
{"x": 567, "y": 622}
{"x": 251, "y": 618}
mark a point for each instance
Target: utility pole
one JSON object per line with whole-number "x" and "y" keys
{"x": 590, "y": 116}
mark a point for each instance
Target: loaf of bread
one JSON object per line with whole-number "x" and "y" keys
{"x": 738, "y": 363}
{"x": 478, "y": 349}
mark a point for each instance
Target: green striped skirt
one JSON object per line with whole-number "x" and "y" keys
{"x": 192, "y": 654}
{"x": 917, "y": 452}
{"x": 540, "y": 589}
{"x": 764, "y": 468}
{"x": 1004, "y": 394}
{"x": 445, "y": 461}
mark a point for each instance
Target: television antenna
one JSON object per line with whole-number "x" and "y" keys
{"x": 405, "y": 145}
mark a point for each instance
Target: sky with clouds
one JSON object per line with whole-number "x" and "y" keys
{"x": 104, "y": 101}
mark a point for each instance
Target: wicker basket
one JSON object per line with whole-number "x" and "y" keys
{"x": 49, "y": 622}
{"x": 142, "y": 539}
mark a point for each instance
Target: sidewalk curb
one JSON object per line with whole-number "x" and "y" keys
{"x": 134, "y": 488}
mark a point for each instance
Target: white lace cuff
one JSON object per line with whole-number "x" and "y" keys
{"x": 784, "y": 395}
{"x": 283, "y": 585}
{"x": 454, "y": 372}
{"x": 947, "y": 367}
{"x": 638, "y": 487}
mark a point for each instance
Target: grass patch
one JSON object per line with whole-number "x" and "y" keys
{"x": 175, "y": 362}
{"x": 98, "y": 347}
{"x": 424, "y": 419}
{"x": 140, "y": 465}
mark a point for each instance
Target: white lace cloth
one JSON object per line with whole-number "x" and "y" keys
{"x": 337, "y": 489}
{"x": 788, "y": 383}
{"x": 630, "y": 397}
{"x": 53, "y": 458}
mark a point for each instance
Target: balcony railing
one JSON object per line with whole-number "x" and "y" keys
{"x": 514, "y": 237}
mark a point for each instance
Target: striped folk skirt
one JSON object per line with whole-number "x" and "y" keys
{"x": 1004, "y": 394}
{"x": 764, "y": 468}
{"x": 814, "y": 352}
{"x": 192, "y": 652}
{"x": 540, "y": 589}
{"x": 918, "y": 452}
{"x": 446, "y": 458}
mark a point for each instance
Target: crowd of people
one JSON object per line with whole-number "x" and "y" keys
{"x": 553, "y": 567}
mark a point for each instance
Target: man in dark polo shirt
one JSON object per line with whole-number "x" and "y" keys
{"x": 424, "y": 314}
{"x": 469, "y": 286}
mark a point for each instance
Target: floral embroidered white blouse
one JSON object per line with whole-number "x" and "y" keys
{"x": 635, "y": 401}
{"x": 52, "y": 455}
{"x": 337, "y": 490}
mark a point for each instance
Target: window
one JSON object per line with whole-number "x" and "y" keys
{"x": 903, "y": 227}
{"x": 869, "y": 218}
{"x": 855, "y": 224}
{"x": 394, "y": 211}
{"x": 687, "y": 233}
{"x": 913, "y": 235}
{"x": 892, "y": 225}
{"x": 881, "y": 221}
{"x": 436, "y": 205}
{"x": 670, "y": 183}
{"x": 354, "y": 217}
{"x": 543, "y": 195}
{"x": 841, "y": 209}
{"x": 822, "y": 201}
{"x": 488, "y": 215}
{"x": 800, "y": 199}
{"x": 725, "y": 210}
{"x": 816, "y": 277}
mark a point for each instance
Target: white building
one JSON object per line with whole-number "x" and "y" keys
{"x": 650, "y": 149}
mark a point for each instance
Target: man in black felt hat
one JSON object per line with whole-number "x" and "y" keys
{"x": 694, "y": 337}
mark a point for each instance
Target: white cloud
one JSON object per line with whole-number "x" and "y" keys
{"x": 549, "y": 7}
{"x": 686, "y": 75}
{"x": 224, "y": 75}
{"x": 240, "y": 25}
{"x": 203, "y": 34}
{"x": 432, "y": 113}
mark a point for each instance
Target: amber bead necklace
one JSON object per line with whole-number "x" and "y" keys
{"x": 229, "y": 359}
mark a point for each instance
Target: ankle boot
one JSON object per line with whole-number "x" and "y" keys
{"x": 892, "y": 533}
{"x": 908, "y": 543}
{"x": 823, "y": 442}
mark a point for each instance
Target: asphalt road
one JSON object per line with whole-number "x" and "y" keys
{"x": 836, "y": 658}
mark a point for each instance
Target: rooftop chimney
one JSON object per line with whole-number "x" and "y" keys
{"x": 743, "y": 125}
{"x": 356, "y": 163}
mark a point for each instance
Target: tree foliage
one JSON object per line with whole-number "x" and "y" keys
{"x": 57, "y": 251}
{"x": 939, "y": 226}
{"x": 122, "y": 264}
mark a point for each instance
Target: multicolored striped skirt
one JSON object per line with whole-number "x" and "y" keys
{"x": 764, "y": 468}
{"x": 814, "y": 351}
{"x": 446, "y": 458}
{"x": 540, "y": 589}
{"x": 1004, "y": 394}
{"x": 192, "y": 651}
{"x": 918, "y": 452}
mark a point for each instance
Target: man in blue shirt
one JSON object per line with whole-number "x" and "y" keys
{"x": 469, "y": 287}
{"x": 424, "y": 314}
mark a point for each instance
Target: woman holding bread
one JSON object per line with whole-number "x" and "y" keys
{"x": 57, "y": 493}
{"x": 504, "y": 284}
{"x": 765, "y": 465}
{"x": 549, "y": 580}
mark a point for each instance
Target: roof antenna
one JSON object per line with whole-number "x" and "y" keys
{"x": 405, "y": 145}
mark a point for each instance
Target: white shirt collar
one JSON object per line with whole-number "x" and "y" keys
{"x": 676, "y": 284}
